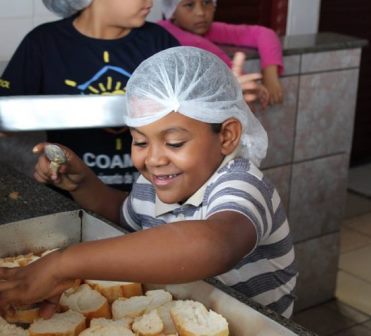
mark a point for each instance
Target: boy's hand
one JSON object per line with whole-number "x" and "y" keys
{"x": 37, "y": 282}
{"x": 67, "y": 176}
{"x": 273, "y": 84}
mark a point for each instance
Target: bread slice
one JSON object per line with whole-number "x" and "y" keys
{"x": 113, "y": 290}
{"x": 164, "y": 312}
{"x": 158, "y": 298}
{"x": 69, "y": 323}
{"x": 7, "y": 329}
{"x": 87, "y": 301}
{"x": 138, "y": 305}
{"x": 149, "y": 324}
{"x": 102, "y": 322}
{"x": 131, "y": 307}
{"x": 191, "y": 318}
{"x": 108, "y": 330}
{"x": 23, "y": 314}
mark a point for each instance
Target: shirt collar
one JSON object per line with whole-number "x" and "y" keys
{"x": 196, "y": 199}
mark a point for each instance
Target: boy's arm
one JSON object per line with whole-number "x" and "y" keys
{"x": 263, "y": 39}
{"x": 273, "y": 84}
{"x": 171, "y": 253}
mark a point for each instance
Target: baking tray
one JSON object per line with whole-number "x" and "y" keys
{"x": 62, "y": 229}
{"x": 50, "y": 112}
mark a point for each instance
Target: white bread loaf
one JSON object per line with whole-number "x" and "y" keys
{"x": 191, "y": 318}
{"x": 69, "y": 323}
{"x": 138, "y": 305}
{"x": 149, "y": 324}
{"x": 113, "y": 290}
{"x": 87, "y": 301}
{"x": 7, "y": 329}
{"x": 108, "y": 330}
{"x": 18, "y": 261}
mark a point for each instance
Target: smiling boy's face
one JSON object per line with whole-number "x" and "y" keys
{"x": 194, "y": 16}
{"x": 177, "y": 155}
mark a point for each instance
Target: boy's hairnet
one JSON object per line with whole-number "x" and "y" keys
{"x": 197, "y": 84}
{"x": 168, "y": 7}
{"x": 66, "y": 8}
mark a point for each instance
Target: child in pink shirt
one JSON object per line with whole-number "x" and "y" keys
{"x": 191, "y": 23}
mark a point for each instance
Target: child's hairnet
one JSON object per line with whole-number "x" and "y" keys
{"x": 66, "y": 8}
{"x": 168, "y": 7}
{"x": 197, "y": 84}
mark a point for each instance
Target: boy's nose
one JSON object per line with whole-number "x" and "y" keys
{"x": 200, "y": 9}
{"x": 155, "y": 157}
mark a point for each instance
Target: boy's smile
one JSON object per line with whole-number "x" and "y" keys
{"x": 177, "y": 155}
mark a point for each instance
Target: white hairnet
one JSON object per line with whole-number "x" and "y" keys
{"x": 168, "y": 7}
{"x": 66, "y": 8}
{"x": 197, "y": 84}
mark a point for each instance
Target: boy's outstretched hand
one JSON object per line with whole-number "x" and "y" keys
{"x": 20, "y": 285}
{"x": 250, "y": 84}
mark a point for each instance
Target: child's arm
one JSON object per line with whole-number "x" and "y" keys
{"x": 170, "y": 253}
{"x": 263, "y": 39}
{"x": 85, "y": 187}
{"x": 273, "y": 84}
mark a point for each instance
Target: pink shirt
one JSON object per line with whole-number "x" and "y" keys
{"x": 263, "y": 39}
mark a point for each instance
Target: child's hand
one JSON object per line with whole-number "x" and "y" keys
{"x": 67, "y": 176}
{"x": 273, "y": 84}
{"x": 37, "y": 282}
{"x": 250, "y": 83}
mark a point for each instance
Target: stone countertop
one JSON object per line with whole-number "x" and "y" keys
{"x": 21, "y": 197}
{"x": 309, "y": 43}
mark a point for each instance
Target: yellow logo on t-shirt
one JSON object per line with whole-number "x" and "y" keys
{"x": 4, "y": 84}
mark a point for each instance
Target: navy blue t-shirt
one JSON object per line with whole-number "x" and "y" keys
{"x": 55, "y": 58}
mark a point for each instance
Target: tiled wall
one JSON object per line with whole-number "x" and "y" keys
{"x": 309, "y": 144}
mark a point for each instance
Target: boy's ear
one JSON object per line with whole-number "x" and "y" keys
{"x": 230, "y": 135}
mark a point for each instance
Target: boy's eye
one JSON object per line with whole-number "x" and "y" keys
{"x": 207, "y": 2}
{"x": 139, "y": 143}
{"x": 188, "y": 4}
{"x": 175, "y": 144}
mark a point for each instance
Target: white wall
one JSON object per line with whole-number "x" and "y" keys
{"x": 303, "y": 17}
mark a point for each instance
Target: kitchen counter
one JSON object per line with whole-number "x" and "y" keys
{"x": 34, "y": 200}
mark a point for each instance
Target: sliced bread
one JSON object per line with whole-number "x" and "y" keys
{"x": 164, "y": 312}
{"x": 113, "y": 290}
{"x": 69, "y": 323}
{"x": 149, "y": 324}
{"x": 191, "y": 318}
{"x": 23, "y": 314}
{"x": 7, "y": 329}
{"x": 138, "y": 305}
{"x": 102, "y": 322}
{"x": 87, "y": 301}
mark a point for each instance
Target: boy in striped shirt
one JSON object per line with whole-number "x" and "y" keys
{"x": 200, "y": 208}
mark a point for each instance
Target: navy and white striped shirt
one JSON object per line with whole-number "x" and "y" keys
{"x": 267, "y": 274}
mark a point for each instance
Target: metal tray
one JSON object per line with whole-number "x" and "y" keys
{"x": 62, "y": 229}
{"x": 49, "y": 112}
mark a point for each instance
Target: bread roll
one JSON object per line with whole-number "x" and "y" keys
{"x": 7, "y": 329}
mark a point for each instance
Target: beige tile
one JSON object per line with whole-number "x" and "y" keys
{"x": 357, "y": 263}
{"x": 361, "y": 224}
{"x": 351, "y": 240}
{"x": 357, "y": 205}
{"x": 354, "y": 292}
